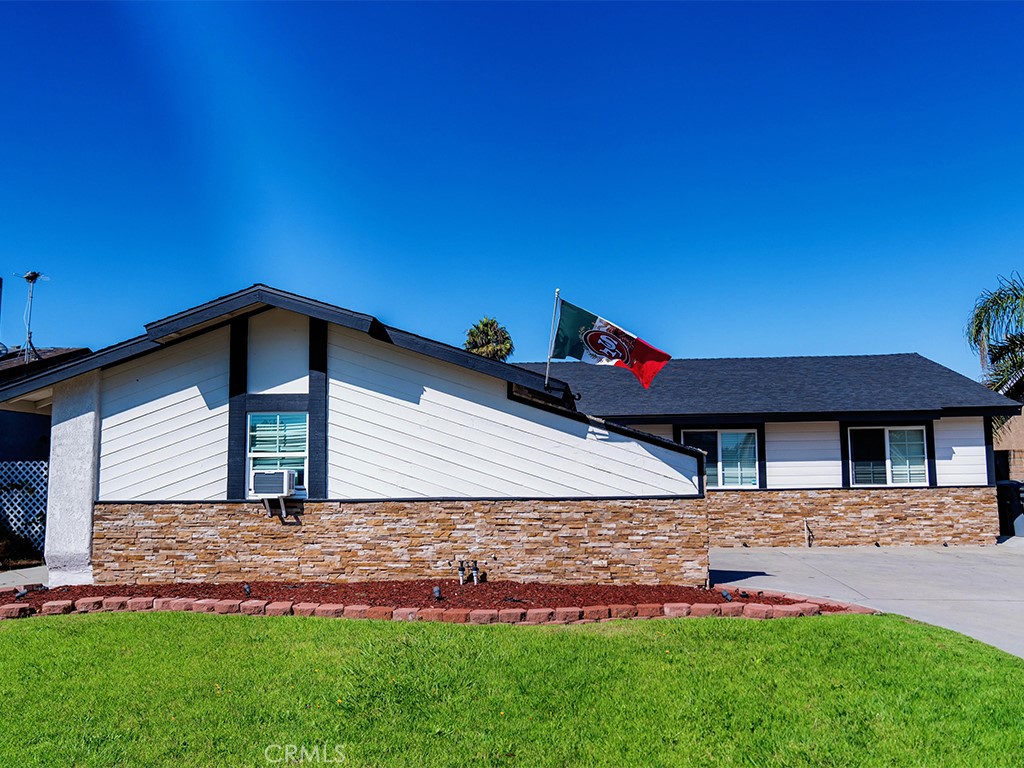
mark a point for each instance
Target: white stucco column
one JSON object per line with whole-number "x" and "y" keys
{"x": 74, "y": 462}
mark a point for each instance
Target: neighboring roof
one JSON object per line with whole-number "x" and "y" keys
{"x": 217, "y": 312}
{"x": 791, "y": 387}
{"x": 13, "y": 365}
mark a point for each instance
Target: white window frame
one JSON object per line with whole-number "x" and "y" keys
{"x": 719, "y": 485}
{"x": 300, "y": 490}
{"x": 888, "y": 458}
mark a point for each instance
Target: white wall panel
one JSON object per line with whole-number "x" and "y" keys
{"x": 658, "y": 430}
{"x": 278, "y": 353}
{"x": 960, "y": 451}
{"x": 803, "y": 455}
{"x": 404, "y": 425}
{"x": 164, "y": 424}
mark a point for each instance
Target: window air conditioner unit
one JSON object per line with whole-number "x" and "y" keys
{"x": 272, "y": 483}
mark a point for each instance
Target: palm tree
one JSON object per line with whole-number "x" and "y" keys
{"x": 995, "y": 331}
{"x": 489, "y": 339}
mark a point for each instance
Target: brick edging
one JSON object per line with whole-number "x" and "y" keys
{"x": 806, "y": 606}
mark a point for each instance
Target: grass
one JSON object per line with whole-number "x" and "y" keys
{"x": 196, "y": 689}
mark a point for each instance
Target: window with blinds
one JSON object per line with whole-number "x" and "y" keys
{"x": 906, "y": 456}
{"x": 279, "y": 441}
{"x": 738, "y": 458}
{"x": 731, "y": 456}
{"x": 888, "y": 456}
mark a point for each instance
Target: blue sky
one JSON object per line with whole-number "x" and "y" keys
{"x": 721, "y": 179}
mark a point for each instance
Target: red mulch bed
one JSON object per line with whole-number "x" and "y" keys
{"x": 419, "y": 594}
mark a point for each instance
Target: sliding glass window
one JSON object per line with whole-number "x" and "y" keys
{"x": 888, "y": 456}
{"x": 731, "y": 456}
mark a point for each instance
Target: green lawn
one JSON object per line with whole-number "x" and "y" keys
{"x": 196, "y": 689}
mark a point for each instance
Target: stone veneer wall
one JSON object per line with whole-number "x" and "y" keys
{"x": 851, "y": 516}
{"x": 645, "y": 541}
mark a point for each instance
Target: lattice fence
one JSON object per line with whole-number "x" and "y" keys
{"x": 23, "y": 499}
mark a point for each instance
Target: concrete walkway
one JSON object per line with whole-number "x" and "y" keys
{"x": 37, "y": 575}
{"x": 978, "y": 591}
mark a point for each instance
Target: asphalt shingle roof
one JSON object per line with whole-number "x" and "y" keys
{"x": 783, "y": 385}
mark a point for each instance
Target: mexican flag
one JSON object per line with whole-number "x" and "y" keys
{"x": 594, "y": 340}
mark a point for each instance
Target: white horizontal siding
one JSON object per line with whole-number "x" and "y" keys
{"x": 960, "y": 451}
{"x": 404, "y": 425}
{"x": 164, "y": 424}
{"x": 803, "y": 454}
{"x": 278, "y": 353}
{"x": 658, "y": 430}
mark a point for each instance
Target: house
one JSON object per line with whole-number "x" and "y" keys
{"x": 1009, "y": 448}
{"x": 409, "y": 455}
{"x": 24, "y": 451}
{"x": 866, "y": 449}
{"x": 25, "y": 436}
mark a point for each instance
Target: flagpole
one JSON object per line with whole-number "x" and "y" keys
{"x": 551, "y": 340}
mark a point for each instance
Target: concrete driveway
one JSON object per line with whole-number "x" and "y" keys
{"x": 37, "y": 575}
{"x": 978, "y": 591}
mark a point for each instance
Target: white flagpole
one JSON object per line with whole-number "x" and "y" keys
{"x": 551, "y": 340}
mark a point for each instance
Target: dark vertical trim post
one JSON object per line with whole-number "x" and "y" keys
{"x": 316, "y": 484}
{"x": 990, "y": 455}
{"x": 762, "y": 458}
{"x": 929, "y": 446}
{"x": 844, "y": 451}
{"x": 677, "y": 436}
{"x": 238, "y": 384}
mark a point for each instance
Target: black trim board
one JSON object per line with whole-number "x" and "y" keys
{"x": 252, "y": 297}
{"x": 410, "y": 499}
{"x": 729, "y": 420}
{"x": 316, "y": 406}
{"x": 929, "y": 447}
{"x": 762, "y": 458}
{"x": 406, "y": 499}
{"x": 242, "y": 403}
{"x": 239, "y": 408}
{"x": 238, "y": 385}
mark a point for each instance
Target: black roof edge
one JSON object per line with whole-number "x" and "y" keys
{"x": 99, "y": 359}
{"x": 179, "y": 325}
{"x": 449, "y": 354}
{"x": 617, "y": 428}
{"x": 257, "y": 294}
{"x": 750, "y": 418}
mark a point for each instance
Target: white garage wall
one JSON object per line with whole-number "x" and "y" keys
{"x": 803, "y": 455}
{"x": 960, "y": 451}
{"x": 278, "y": 353}
{"x": 164, "y": 424}
{"x": 404, "y": 425}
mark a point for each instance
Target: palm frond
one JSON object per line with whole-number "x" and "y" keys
{"x": 997, "y": 314}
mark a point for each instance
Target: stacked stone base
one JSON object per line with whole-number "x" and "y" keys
{"x": 637, "y": 541}
{"x": 853, "y": 516}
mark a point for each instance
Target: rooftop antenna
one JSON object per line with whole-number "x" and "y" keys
{"x": 3, "y": 347}
{"x": 30, "y": 351}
